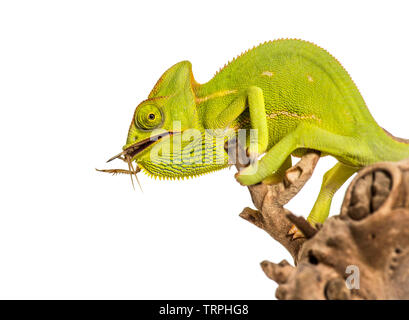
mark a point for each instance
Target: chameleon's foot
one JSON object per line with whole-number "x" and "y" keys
{"x": 236, "y": 176}
{"x": 245, "y": 175}
{"x": 295, "y": 233}
{"x": 238, "y": 179}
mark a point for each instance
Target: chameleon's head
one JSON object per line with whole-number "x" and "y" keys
{"x": 166, "y": 137}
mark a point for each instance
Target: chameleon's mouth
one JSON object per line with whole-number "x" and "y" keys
{"x": 138, "y": 147}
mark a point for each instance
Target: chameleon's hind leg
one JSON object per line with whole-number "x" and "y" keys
{"x": 305, "y": 136}
{"x": 309, "y": 137}
{"x": 278, "y": 176}
{"x": 333, "y": 179}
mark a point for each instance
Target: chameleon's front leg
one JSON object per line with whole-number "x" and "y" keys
{"x": 252, "y": 98}
{"x": 258, "y": 120}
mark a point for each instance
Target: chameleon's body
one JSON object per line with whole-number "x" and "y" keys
{"x": 294, "y": 93}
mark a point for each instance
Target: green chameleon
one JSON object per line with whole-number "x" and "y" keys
{"x": 295, "y": 94}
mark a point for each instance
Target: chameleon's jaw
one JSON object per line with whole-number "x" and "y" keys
{"x": 131, "y": 151}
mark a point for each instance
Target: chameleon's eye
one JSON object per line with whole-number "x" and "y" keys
{"x": 148, "y": 117}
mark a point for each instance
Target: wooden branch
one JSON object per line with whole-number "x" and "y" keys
{"x": 370, "y": 238}
{"x": 269, "y": 200}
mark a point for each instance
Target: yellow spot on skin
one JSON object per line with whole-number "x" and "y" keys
{"x": 294, "y": 115}
{"x": 215, "y": 95}
{"x": 310, "y": 79}
{"x": 267, "y": 73}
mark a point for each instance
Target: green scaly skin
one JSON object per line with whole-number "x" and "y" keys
{"x": 294, "y": 93}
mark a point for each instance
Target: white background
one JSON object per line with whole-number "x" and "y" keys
{"x": 71, "y": 74}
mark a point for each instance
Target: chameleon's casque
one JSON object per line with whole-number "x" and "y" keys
{"x": 294, "y": 93}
